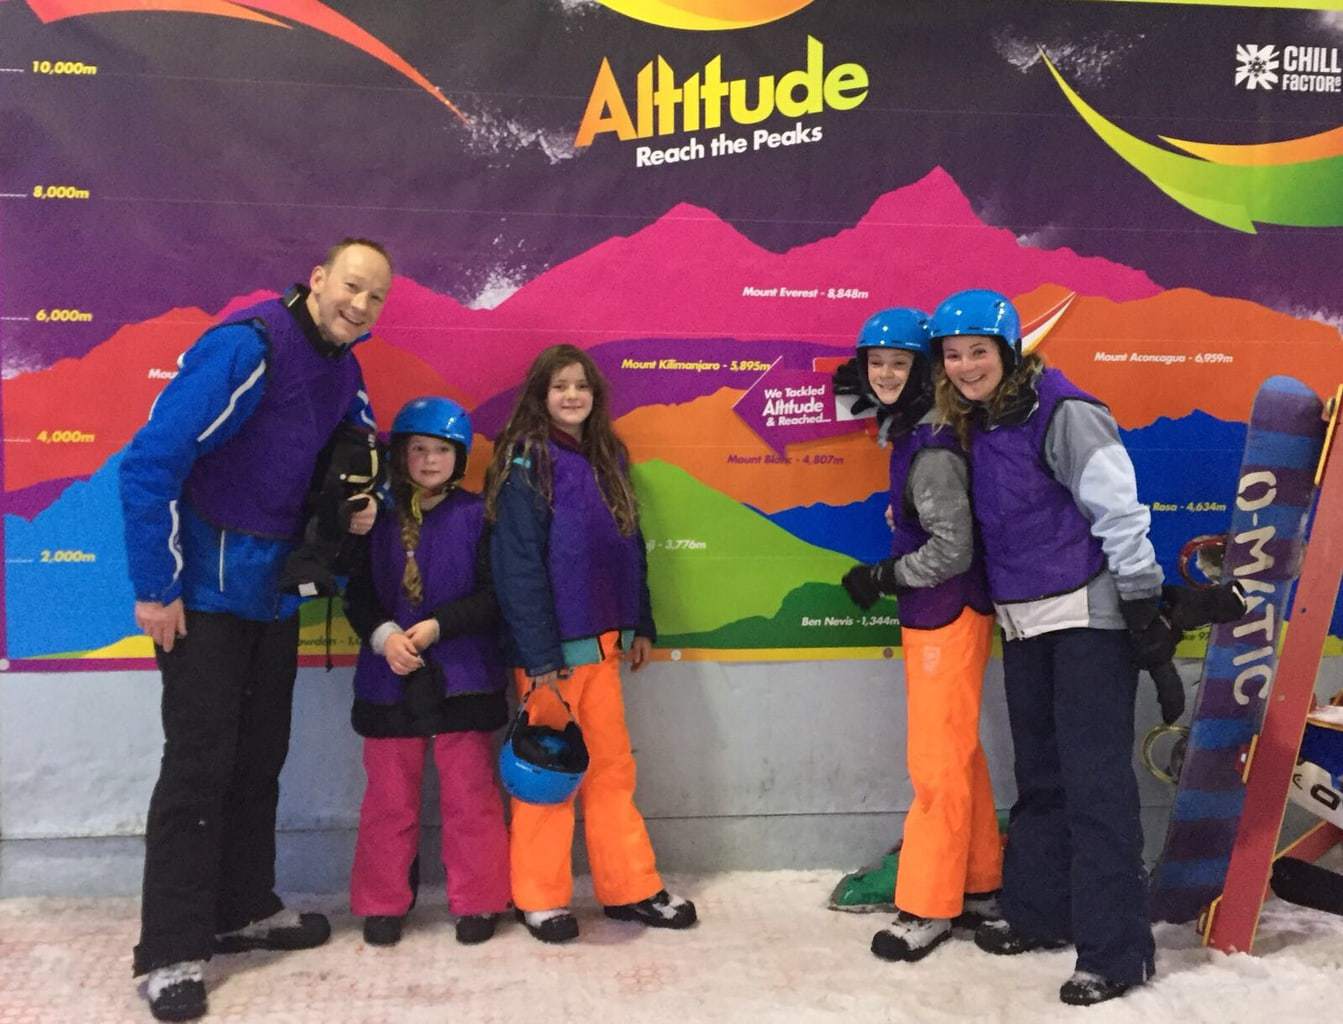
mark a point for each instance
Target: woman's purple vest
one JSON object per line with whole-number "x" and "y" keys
{"x": 596, "y": 574}
{"x": 935, "y": 606}
{"x": 446, "y": 555}
{"x": 1037, "y": 543}
{"x": 256, "y": 481}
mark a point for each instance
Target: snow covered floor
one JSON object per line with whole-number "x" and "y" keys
{"x": 766, "y": 951}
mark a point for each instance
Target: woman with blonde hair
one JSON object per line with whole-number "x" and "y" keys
{"x": 1075, "y": 586}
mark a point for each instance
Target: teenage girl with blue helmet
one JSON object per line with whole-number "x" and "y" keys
{"x": 569, "y": 565}
{"x": 951, "y": 857}
{"x": 1075, "y": 584}
{"x": 429, "y": 676}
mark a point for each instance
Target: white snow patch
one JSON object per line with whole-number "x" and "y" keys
{"x": 17, "y": 363}
{"x": 576, "y": 6}
{"x": 498, "y": 286}
{"x": 498, "y": 136}
{"x": 1085, "y": 62}
{"x": 767, "y": 953}
{"x": 1329, "y": 317}
{"x": 1047, "y": 236}
{"x": 1331, "y": 21}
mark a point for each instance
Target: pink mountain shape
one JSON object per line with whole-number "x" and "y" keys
{"x": 242, "y": 302}
{"x": 689, "y": 274}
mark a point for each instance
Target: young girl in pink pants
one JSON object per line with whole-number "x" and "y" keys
{"x": 429, "y": 677}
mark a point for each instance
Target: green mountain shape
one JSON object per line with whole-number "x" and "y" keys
{"x": 833, "y": 621}
{"x": 712, "y": 561}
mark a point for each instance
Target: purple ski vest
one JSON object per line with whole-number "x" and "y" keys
{"x": 1037, "y": 543}
{"x": 257, "y": 481}
{"x": 935, "y": 606}
{"x": 596, "y": 574}
{"x": 446, "y": 555}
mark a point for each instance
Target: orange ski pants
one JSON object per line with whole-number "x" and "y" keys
{"x": 541, "y": 837}
{"x": 951, "y": 844}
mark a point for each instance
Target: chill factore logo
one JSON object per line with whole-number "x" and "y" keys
{"x": 706, "y": 15}
{"x": 1258, "y": 66}
{"x": 1304, "y": 68}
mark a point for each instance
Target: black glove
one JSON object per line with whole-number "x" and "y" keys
{"x": 848, "y": 380}
{"x": 1189, "y": 608}
{"x": 866, "y": 583}
{"x": 1153, "y": 639}
{"x": 1169, "y": 691}
{"x": 424, "y": 696}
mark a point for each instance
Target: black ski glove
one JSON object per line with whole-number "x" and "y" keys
{"x": 424, "y": 696}
{"x": 1169, "y": 691}
{"x": 848, "y": 380}
{"x": 866, "y": 583}
{"x": 1189, "y": 608}
{"x": 1153, "y": 639}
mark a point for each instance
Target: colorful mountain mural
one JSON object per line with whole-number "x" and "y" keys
{"x": 749, "y": 534}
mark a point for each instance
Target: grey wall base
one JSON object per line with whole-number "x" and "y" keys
{"x": 741, "y": 766}
{"x": 319, "y": 861}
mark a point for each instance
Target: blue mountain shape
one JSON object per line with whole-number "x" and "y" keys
{"x": 1186, "y": 467}
{"x": 66, "y": 603}
{"x": 857, "y": 529}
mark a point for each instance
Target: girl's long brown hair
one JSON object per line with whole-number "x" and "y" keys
{"x": 528, "y": 429}
{"x": 959, "y": 412}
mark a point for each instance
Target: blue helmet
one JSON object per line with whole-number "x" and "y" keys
{"x": 901, "y": 327}
{"x": 435, "y": 417}
{"x": 541, "y": 765}
{"x": 978, "y": 311}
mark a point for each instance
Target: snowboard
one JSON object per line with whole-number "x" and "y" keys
{"x": 1234, "y": 918}
{"x": 1264, "y": 546}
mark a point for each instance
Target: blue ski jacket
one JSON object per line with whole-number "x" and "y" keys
{"x": 171, "y": 550}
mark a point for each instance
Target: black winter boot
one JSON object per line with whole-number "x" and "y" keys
{"x": 1087, "y": 989}
{"x": 910, "y": 938}
{"x": 999, "y": 938}
{"x": 382, "y": 930}
{"x": 661, "y": 910}
{"x": 177, "y": 991}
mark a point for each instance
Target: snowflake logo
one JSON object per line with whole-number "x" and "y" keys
{"x": 1258, "y": 67}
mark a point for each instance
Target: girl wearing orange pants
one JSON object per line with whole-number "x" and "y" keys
{"x": 951, "y": 845}
{"x": 951, "y": 858}
{"x": 623, "y": 867}
{"x": 570, "y": 576}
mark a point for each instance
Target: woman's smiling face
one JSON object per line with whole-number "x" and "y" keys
{"x": 973, "y": 363}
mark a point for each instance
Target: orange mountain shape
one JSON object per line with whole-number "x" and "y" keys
{"x": 711, "y": 443}
{"x": 1183, "y": 350}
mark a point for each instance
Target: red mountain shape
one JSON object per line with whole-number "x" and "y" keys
{"x": 89, "y": 407}
{"x": 64, "y": 421}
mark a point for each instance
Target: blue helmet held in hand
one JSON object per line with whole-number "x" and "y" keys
{"x": 539, "y": 764}
{"x": 979, "y": 311}
{"x": 900, "y": 327}
{"x": 433, "y": 416}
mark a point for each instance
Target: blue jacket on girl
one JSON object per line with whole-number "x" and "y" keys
{"x": 565, "y": 574}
